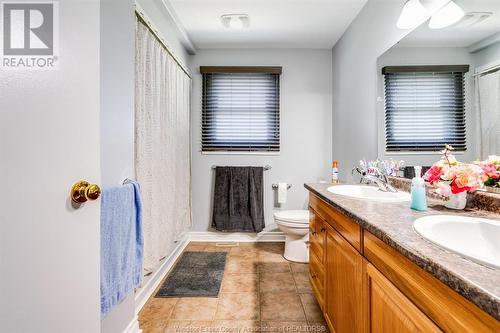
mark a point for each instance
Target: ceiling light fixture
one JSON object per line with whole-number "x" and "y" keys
{"x": 413, "y": 14}
{"x": 448, "y": 15}
{"x": 235, "y": 21}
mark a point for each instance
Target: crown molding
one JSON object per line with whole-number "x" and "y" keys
{"x": 185, "y": 39}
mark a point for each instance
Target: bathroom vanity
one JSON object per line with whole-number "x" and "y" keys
{"x": 371, "y": 272}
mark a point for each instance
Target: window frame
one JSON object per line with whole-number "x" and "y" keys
{"x": 275, "y": 70}
{"x": 383, "y": 142}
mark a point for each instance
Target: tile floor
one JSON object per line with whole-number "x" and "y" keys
{"x": 261, "y": 291}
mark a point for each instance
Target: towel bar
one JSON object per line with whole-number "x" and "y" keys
{"x": 266, "y": 167}
{"x": 275, "y": 186}
{"x": 127, "y": 180}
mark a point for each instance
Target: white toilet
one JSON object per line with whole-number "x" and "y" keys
{"x": 295, "y": 225}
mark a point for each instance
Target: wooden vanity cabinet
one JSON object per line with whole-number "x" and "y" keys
{"x": 343, "y": 284}
{"x": 363, "y": 285}
{"x": 390, "y": 310}
{"x": 342, "y": 267}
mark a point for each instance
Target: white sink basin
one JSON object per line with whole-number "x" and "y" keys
{"x": 474, "y": 238}
{"x": 369, "y": 193}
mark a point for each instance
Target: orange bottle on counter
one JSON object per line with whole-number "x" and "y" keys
{"x": 335, "y": 172}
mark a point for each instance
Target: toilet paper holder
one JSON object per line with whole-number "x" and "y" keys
{"x": 275, "y": 186}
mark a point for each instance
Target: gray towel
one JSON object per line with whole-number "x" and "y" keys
{"x": 238, "y": 199}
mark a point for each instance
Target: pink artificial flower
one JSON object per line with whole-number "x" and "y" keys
{"x": 490, "y": 170}
{"x": 433, "y": 175}
{"x": 468, "y": 177}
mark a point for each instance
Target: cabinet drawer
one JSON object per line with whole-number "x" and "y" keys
{"x": 317, "y": 276}
{"x": 351, "y": 231}
{"x": 316, "y": 268}
{"x": 315, "y": 222}
{"x": 316, "y": 236}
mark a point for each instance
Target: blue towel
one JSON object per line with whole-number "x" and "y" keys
{"x": 121, "y": 243}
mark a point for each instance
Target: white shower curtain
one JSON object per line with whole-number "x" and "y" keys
{"x": 488, "y": 94}
{"x": 162, "y": 146}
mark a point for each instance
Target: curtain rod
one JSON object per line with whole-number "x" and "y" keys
{"x": 488, "y": 70}
{"x": 141, "y": 17}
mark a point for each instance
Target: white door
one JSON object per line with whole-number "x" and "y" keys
{"x": 49, "y": 138}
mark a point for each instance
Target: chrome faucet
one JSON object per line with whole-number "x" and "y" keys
{"x": 380, "y": 179}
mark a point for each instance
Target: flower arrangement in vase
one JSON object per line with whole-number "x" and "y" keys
{"x": 454, "y": 179}
{"x": 491, "y": 168}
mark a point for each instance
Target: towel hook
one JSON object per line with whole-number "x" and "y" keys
{"x": 126, "y": 181}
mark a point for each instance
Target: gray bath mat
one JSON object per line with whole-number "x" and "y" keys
{"x": 196, "y": 274}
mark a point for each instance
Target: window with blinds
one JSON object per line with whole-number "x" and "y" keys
{"x": 241, "y": 109}
{"x": 424, "y": 108}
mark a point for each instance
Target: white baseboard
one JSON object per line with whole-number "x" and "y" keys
{"x": 155, "y": 279}
{"x": 212, "y": 236}
{"x": 133, "y": 326}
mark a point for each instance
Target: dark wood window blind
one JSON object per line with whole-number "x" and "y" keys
{"x": 424, "y": 108}
{"x": 240, "y": 109}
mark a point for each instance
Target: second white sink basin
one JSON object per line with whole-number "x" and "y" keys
{"x": 474, "y": 238}
{"x": 369, "y": 193}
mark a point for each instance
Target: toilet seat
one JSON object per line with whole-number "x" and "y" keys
{"x": 296, "y": 225}
{"x": 292, "y": 217}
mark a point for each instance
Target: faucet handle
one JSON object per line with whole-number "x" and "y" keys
{"x": 360, "y": 171}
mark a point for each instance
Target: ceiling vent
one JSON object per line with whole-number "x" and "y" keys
{"x": 235, "y": 21}
{"x": 473, "y": 18}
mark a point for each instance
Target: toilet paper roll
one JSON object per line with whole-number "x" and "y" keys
{"x": 282, "y": 192}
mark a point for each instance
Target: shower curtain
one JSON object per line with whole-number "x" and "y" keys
{"x": 162, "y": 146}
{"x": 488, "y": 95}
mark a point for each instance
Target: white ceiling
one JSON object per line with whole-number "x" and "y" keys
{"x": 458, "y": 35}
{"x": 273, "y": 23}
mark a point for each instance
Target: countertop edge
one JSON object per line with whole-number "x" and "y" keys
{"x": 473, "y": 293}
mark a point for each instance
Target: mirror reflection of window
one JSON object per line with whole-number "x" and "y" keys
{"x": 424, "y": 108}
{"x": 488, "y": 102}
{"x": 417, "y": 118}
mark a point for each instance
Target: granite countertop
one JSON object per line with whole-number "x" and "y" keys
{"x": 393, "y": 224}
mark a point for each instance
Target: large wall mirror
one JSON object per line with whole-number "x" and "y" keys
{"x": 441, "y": 86}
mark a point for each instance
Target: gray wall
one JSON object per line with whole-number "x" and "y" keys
{"x": 487, "y": 55}
{"x": 305, "y": 127}
{"x": 117, "y": 56}
{"x": 400, "y": 56}
{"x": 355, "y": 82}
{"x": 162, "y": 21}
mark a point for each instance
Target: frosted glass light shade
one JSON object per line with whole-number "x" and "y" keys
{"x": 448, "y": 15}
{"x": 413, "y": 14}
{"x": 236, "y": 23}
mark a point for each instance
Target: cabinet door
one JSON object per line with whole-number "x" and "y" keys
{"x": 343, "y": 285}
{"x": 390, "y": 310}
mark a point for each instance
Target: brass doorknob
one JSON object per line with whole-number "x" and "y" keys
{"x": 82, "y": 191}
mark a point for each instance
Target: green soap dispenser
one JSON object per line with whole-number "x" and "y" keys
{"x": 418, "y": 197}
